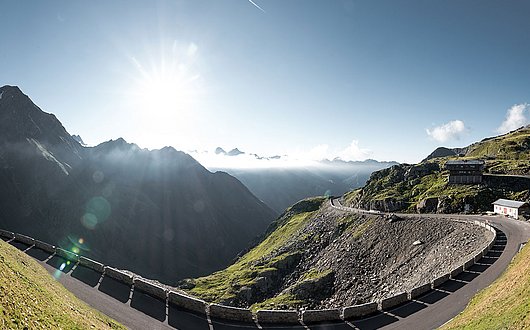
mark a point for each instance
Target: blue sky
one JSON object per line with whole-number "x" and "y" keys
{"x": 389, "y": 80}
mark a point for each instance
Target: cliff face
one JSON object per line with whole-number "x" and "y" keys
{"x": 424, "y": 187}
{"x": 158, "y": 213}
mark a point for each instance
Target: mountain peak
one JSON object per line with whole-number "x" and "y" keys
{"x": 21, "y": 119}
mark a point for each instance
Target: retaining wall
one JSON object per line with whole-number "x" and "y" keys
{"x": 45, "y": 246}
{"x": 457, "y": 271}
{"x": 187, "y": 302}
{"x": 245, "y": 315}
{"x": 440, "y": 280}
{"x": 419, "y": 290}
{"x": 320, "y": 315}
{"x": 394, "y": 301}
{"x": 277, "y": 316}
{"x": 231, "y": 313}
{"x": 24, "y": 239}
{"x": 150, "y": 288}
{"x": 7, "y": 234}
{"x": 66, "y": 254}
{"x": 359, "y": 310}
{"x": 118, "y": 275}
{"x": 89, "y": 263}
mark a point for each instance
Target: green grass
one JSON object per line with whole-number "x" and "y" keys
{"x": 31, "y": 299}
{"x": 282, "y": 301}
{"x": 314, "y": 274}
{"x": 224, "y": 284}
{"x": 511, "y": 146}
{"x": 503, "y": 305}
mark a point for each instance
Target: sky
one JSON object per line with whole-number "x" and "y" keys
{"x": 387, "y": 80}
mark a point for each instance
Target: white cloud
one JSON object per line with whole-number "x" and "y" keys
{"x": 355, "y": 152}
{"x": 453, "y": 130}
{"x": 319, "y": 152}
{"x": 516, "y": 117}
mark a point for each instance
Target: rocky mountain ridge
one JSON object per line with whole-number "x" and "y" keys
{"x": 158, "y": 213}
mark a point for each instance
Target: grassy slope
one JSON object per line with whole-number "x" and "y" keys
{"x": 31, "y": 298}
{"x": 224, "y": 284}
{"x": 503, "y": 305}
{"x": 507, "y": 154}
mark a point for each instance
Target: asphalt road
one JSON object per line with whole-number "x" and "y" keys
{"x": 139, "y": 311}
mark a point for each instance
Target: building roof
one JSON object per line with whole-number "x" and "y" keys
{"x": 509, "y": 203}
{"x": 465, "y": 162}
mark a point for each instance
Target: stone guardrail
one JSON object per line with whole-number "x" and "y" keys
{"x": 321, "y": 315}
{"x": 277, "y": 316}
{"x": 231, "y": 313}
{"x": 199, "y": 306}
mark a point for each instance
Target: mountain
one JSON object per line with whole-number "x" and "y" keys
{"x": 281, "y": 187}
{"x": 79, "y": 139}
{"x": 158, "y": 213}
{"x": 424, "y": 187}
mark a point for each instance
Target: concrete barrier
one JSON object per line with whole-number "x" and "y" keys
{"x": 186, "y": 302}
{"x": 469, "y": 263}
{"x": 418, "y": 291}
{"x": 457, "y": 271}
{"x": 24, "y": 239}
{"x": 440, "y": 280}
{"x": 320, "y": 315}
{"x": 66, "y": 254}
{"x": 7, "y": 234}
{"x": 277, "y": 316}
{"x": 231, "y": 313}
{"x": 394, "y": 301}
{"x": 150, "y": 288}
{"x": 357, "y": 311}
{"x": 44, "y": 246}
{"x": 119, "y": 275}
{"x": 89, "y": 263}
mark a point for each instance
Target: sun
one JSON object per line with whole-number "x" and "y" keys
{"x": 165, "y": 88}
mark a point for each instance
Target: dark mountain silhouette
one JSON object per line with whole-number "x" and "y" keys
{"x": 158, "y": 213}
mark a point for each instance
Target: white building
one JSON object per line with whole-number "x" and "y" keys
{"x": 510, "y": 208}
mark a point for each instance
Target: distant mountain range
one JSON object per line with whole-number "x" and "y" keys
{"x": 281, "y": 181}
{"x": 159, "y": 213}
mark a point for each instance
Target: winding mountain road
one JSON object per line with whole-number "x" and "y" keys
{"x": 140, "y": 311}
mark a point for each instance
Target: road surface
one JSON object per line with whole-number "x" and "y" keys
{"x": 139, "y": 311}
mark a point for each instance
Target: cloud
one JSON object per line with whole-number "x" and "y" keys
{"x": 256, "y": 5}
{"x": 355, "y": 152}
{"x": 453, "y": 130}
{"x": 319, "y": 152}
{"x": 516, "y": 117}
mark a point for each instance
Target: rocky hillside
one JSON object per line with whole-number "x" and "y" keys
{"x": 424, "y": 187}
{"x": 158, "y": 213}
{"x": 315, "y": 256}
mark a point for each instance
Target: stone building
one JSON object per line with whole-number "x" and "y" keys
{"x": 465, "y": 171}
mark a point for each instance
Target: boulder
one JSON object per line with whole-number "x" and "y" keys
{"x": 428, "y": 205}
